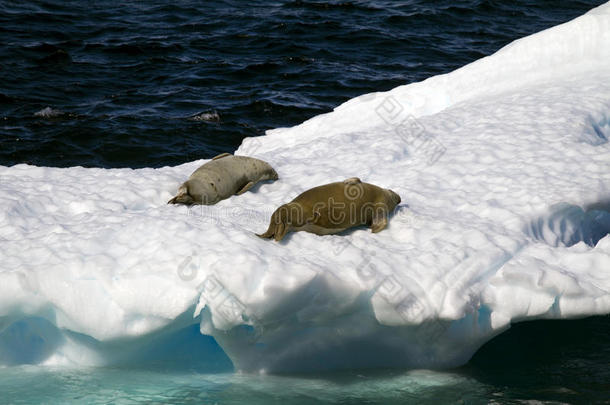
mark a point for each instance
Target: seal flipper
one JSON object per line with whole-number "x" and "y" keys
{"x": 269, "y": 232}
{"x": 314, "y": 217}
{"x": 221, "y": 156}
{"x": 380, "y": 221}
{"x": 182, "y": 199}
{"x": 280, "y": 231}
{"x": 275, "y": 231}
{"x": 245, "y": 188}
{"x": 183, "y": 196}
{"x": 352, "y": 180}
{"x": 267, "y": 235}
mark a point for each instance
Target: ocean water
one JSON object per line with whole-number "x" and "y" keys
{"x": 555, "y": 362}
{"x": 150, "y": 84}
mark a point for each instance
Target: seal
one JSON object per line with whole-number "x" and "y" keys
{"x": 333, "y": 208}
{"x": 222, "y": 177}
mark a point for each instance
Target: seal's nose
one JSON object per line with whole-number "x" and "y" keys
{"x": 395, "y": 197}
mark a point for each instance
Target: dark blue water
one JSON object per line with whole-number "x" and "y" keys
{"x": 149, "y": 83}
{"x": 127, "y": 83}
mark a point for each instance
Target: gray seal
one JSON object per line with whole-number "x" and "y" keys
{"x": 220, "y": 178}
{"x": 333, "y": 208}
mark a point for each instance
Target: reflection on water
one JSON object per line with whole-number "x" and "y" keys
{"x": 554, "y": 361}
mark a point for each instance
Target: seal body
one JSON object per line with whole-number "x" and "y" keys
{"x": 222, "y": 177}
{"x": 333, "y": 208}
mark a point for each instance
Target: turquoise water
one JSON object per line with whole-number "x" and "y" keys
{"x": 23, "y": 385}
{"x": 545, "y": 361}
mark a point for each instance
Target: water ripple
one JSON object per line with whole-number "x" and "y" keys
{"x": 125, "y": 76}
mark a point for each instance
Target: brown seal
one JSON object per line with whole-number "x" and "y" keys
{"x": 222, "y": 177}
{"x": 334, "y": 207}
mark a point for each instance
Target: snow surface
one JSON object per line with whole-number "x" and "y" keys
{"x": 503, "y": 167}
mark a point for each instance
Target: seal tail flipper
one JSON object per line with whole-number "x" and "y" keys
{"x": 379, "y": 223}
{"x": 280, "y": 231}
{"x": 245, "y": 188}
{"x": 275, "y": 231}
{"x": 221, "y": 156}
{"x": 352, "y": 180}
{"x": 268, "y": 234}
{"x": 183, "y": 196}
{"x": 270, "y": 230}
{"x": 182, "y": 199}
